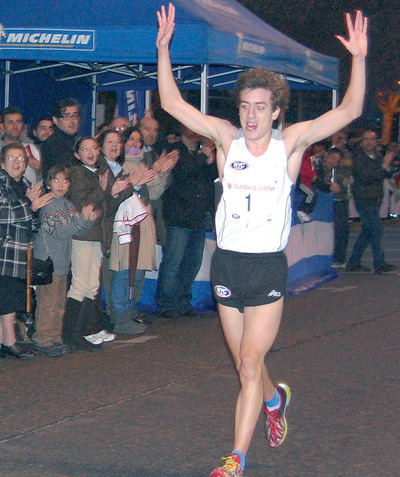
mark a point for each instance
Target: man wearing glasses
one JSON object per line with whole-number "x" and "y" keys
{"x": 58, "y": 148}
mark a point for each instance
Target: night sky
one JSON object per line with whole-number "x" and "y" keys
{"x": 315, "y": 22}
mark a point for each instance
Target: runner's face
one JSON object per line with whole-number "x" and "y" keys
{"x": 255, "y": 113}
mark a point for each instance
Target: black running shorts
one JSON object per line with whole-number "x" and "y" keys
{"x": 248, "y": 279}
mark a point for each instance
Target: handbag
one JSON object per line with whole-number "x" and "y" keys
{"x": 42, "y": 270}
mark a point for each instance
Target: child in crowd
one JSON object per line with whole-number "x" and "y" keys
{"x": 83, "y": 326}
{"x": 59, "y": 222}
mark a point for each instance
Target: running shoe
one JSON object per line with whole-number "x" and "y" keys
{"x": 276, "y": 426}
{"x": 230, "y": 468}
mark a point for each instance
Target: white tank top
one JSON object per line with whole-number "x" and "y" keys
{"x": 254, "y": 214}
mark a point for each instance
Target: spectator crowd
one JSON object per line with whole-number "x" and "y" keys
{"x": 98, "y": 206}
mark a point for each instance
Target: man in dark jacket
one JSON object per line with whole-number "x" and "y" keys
{"x": 333, "y": 175}
{"x": 187, "y": 207}
{"x": 369, "y": 170}
{"x": 59, "y": 147}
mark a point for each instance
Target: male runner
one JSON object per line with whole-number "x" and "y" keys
{"x": 257, "y": 166}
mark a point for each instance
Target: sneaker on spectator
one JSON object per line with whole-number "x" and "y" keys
{"x": 50, "y": 351}
{"x": 95, "y": 338}
{"x": 357, "y": 269}
{"x": 230, "y": 468}
{"x": 275, "y": 424}
{"x": 106, "y": 336}
{"x": 386, "y": 268}
{"x": 338, "y": 265}
{"x": 64, "y": 347}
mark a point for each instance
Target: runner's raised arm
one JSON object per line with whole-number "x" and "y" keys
{"x": 170, "y": 96}
{"x": 299, "y": 136}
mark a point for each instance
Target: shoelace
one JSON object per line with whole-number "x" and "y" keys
{"x": 273, "y": 424}
{"x": 230, "y": 463}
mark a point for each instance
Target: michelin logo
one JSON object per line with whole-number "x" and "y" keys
{"x": 17, "y": 38}
{"x": 275, "y": 293}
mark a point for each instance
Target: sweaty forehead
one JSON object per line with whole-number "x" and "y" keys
{"x": 256, "y": 95}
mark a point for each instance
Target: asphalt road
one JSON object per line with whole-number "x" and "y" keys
{"x": 162, "y": 404}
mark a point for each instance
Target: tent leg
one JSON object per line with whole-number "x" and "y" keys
{"x": 94, "y": 102}
{"x": 147, "y": 101}
{"x": 7, "y": 85}
{"x": 204, "y": 90}
{"x": 334, "y": 98}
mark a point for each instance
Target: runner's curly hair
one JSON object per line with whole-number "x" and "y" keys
{"x": 262, "y": 78}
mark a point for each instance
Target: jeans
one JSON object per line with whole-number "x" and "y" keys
{"x": 371, "y": 233}
{"x": 342, "y": 230}
{"x": 181, "y": 261}
{"x": 121, "y": 298}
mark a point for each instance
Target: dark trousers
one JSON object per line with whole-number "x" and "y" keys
{"x": 342, "y": 230}
{"x": 181, "y": 261}
{"x": 50, "y": 311}
{"x": 371, "y": 234}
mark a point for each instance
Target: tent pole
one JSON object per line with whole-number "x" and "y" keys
{"x": 94, "y": 101}
{"x": 204, "y": 90}
{"x": 7, "y": 84}
{"x": 334, "y": 98}
{"x": 147, "y": 100}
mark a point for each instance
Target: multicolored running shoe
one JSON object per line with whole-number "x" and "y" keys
{"x": 230, "y": 468}
{"x": 276, "y": 426}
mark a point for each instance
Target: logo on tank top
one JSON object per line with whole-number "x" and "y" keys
{"x": 235, "y": 216}
{"x": 222, "y": 291}
{"x": 239, "y": 165}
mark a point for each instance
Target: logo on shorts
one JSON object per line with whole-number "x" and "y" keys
{"x": 274, "y": 293}
{"x": 235, "y": 216}
{"x": 239, "y": 165}
{"x": 222, "y": 291}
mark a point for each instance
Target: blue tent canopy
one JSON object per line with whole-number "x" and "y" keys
{"x": 112, "y": 43}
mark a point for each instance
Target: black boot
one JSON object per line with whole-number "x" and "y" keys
{"x": 72, "y": 310}
{"x": 86, "y": 310}
{"x": 15, "y": 351}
